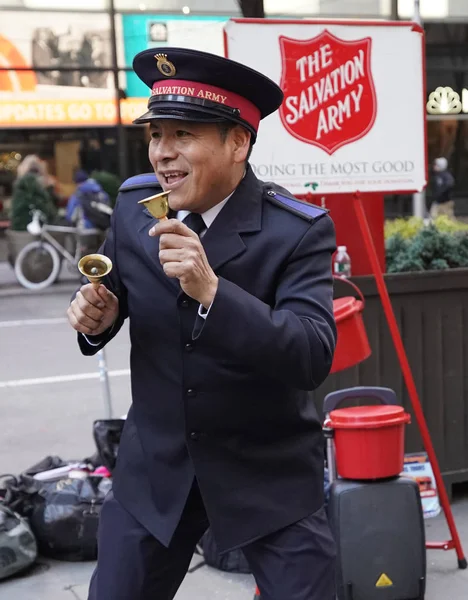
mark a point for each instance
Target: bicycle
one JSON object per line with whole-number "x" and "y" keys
{"x": 39, "y": 263}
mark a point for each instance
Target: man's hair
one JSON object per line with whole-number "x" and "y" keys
{"x": 225, "y": 127}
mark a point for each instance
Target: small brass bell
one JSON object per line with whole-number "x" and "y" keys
{"x": 157, "y": 205}
{"x": 95, "y": 267}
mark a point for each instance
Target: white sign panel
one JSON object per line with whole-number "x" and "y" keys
{"x": 353, "y": 115}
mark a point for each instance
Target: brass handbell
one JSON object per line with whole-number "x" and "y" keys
{"x": 157, "y": 205}
{"x": 95, "y": 267}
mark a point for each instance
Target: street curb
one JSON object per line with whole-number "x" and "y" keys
{"x": 9, "y": 286}
{"x": 12, "y": 291}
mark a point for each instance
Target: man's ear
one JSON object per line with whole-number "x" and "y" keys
{"x": 240, "y": 138}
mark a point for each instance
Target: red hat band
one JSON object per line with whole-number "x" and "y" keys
{"x": 246, "y": 110}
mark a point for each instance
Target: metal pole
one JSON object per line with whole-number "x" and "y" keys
{"x": 419, "y": 198}
{"x": 104, "y": 378}
{"x": 394, "y": 11}
{"x": 121, "y": 134}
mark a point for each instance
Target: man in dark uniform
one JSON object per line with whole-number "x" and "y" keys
{"x": 231, "y": 322}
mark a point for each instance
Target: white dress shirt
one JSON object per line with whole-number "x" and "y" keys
{"x": 208, "y": 217}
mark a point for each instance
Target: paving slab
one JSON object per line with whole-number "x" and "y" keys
{"x": 53, "y": 580}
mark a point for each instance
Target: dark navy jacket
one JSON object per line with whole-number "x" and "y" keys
{"x": 225, "y": 399}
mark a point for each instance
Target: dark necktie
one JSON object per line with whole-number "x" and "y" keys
{"x": 195, "y": 222}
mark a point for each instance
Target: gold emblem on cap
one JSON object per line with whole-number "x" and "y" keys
{"x": 165, "y": 66}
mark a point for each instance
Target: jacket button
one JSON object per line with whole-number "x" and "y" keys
{"x": 184, "y": 303}
{"x": 191, "y": 393}
{"x": 195, "y": 436}
{"x": 188, "y": 347}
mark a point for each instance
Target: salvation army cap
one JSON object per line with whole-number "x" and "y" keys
{"x": 192, "y": 85}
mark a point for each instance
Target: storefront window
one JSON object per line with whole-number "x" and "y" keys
{"x": 213, "y": 7}
{"x": 66, "y": 149}
{"x": 449, "y": 138}
{"x": 430, "y": 9}
{"x": 447, "y": 87}
{"x": 446, "y": 45}
{"x": 56, "y": 4}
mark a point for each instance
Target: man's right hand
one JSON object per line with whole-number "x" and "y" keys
{"x": 93, "y": 310}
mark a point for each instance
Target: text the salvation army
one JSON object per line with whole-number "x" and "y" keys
{"x": 317, "y": 95}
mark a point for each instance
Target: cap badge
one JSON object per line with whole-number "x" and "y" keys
{"x": 165, "y": 66}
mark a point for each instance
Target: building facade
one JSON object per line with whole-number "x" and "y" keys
{"x": 59, "y": 68}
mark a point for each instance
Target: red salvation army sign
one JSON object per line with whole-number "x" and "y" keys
{"x": 329, "y": 92}
{"x": 353, "y": 115}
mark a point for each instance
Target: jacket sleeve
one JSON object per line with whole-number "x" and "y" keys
{"x": 115, "y": 285}
{"x": 293, "y": 341}
{"x": 71, "y": 207}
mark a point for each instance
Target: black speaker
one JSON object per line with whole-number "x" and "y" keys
{"x": 380, "y": 536}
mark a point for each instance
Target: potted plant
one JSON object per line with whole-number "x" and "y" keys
{"x": 413, "y": 245}
{"x": 29, "y": 192}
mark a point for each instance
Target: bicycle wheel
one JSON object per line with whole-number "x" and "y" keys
{"x": 37, "y": 266}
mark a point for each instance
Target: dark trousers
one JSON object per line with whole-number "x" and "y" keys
{"x": 295, "y": 563}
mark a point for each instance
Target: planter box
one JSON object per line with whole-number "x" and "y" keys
{"x": 432, "y": 313}
{"x": 16, "y": 241}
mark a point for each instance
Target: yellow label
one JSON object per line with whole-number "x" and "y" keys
{"x": 384, "y": 581}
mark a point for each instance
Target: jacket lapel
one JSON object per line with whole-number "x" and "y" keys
{"x": 222, "y": 242}
{"x": 151, "y": 247}
{"x": 241, "y": 214}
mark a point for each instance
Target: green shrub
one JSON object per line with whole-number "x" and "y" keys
{"x": 433, "y": 247}
{"x": 28, "y": 194}
{"x": 407, "y": 228}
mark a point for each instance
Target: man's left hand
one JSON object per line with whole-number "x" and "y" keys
{"x": 183, "y": 257}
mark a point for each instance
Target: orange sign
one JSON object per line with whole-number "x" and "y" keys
{"x": 20, "y": 107}
{"x": 68, "y": 113}
{"x": 14, "y": 81}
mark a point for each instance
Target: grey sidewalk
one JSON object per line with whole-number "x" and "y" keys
{"x": 9, "y": 286}
{"x": 52, "y": 580}
{"x": 69, "y": 581}
{"x": 50, "y": 398}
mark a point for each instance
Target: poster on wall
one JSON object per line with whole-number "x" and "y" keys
{"x": 353, "y": 115}
{"x": 144, "y": 31}
{"x": 76, "y": 96}
{"x": 417, "y": 466}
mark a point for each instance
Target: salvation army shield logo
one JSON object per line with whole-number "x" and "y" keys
{"x": 329, "y": 93}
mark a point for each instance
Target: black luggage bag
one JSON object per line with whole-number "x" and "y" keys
{"x": 379, "y": 531}
{"x": 378, "y": 525}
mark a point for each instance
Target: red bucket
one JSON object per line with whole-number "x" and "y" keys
{"x": 352, "y": 345}
{"x": 369, "y": 441}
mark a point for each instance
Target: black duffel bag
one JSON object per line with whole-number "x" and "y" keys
{"x": 63, "y": 514}
{"x": 18, "y": 548}
{"x": 65, "y": 517}
{"x": 233, "y": 561}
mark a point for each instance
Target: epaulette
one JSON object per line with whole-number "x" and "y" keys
{"x": 146, "y": 180}
{"x": 309, "y": 212}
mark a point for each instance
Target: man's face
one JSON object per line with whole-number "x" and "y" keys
{"x": 195, "y": 162}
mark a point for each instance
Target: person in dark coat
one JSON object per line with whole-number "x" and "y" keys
{"x": 230, "y": 307}
{"x": 442, "y": 185}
